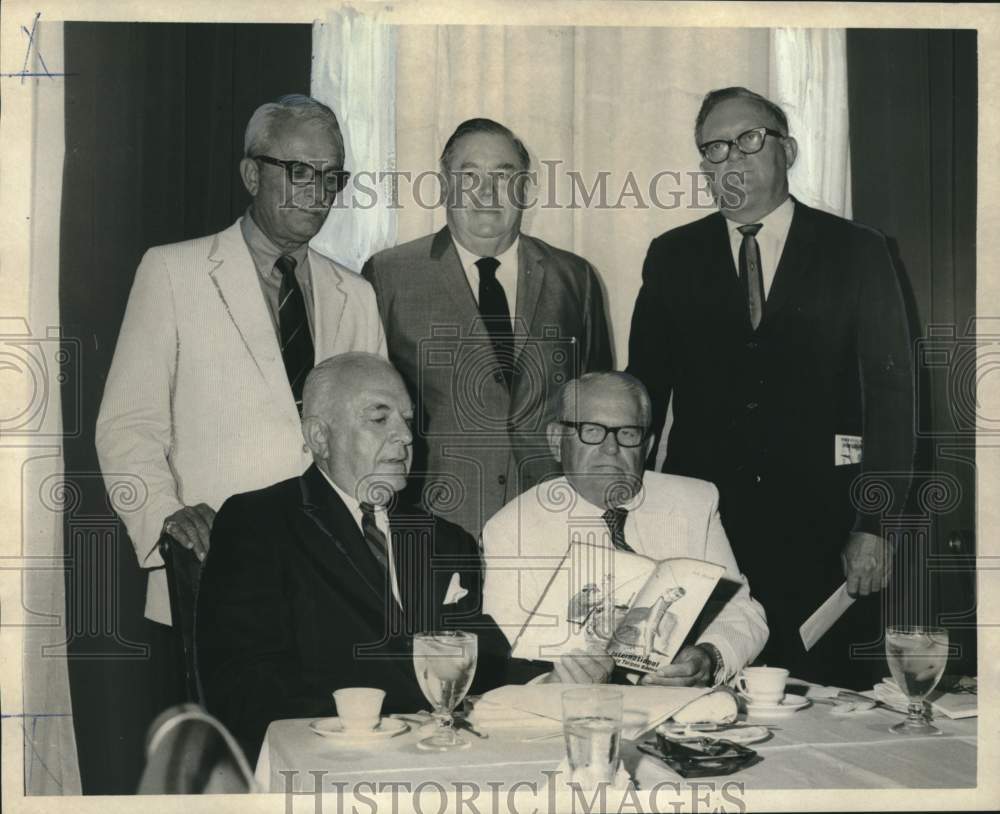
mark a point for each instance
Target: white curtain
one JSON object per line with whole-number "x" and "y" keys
{"x": 45, "y": 716}
{"x": 354, "y": 72}
{"x": 808, "y": 78}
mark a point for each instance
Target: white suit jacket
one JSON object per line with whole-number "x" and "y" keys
{"x": 674, "y": 516}
{"x": 197, "y": 405}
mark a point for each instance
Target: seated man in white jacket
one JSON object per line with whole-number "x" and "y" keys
{"x": 602, "y": 439}
{"x": 204, "y": 394}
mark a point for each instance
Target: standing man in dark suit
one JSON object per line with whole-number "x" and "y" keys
{"x": 486, "y": 324}
{"x": 319, "y": 582}
{"x": 780, "y": 332}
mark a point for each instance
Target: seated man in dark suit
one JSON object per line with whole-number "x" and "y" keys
{"x": 319, "y": 582}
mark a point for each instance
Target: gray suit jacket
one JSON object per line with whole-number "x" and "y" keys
{"x": 478, "y": 443}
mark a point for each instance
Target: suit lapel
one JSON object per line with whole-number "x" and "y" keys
{"x": 412, "y": 543}
{"x": 530, "y": 276}
{"x": 329, "y": 299}
{"x": 452, "y": 275}
{"x": 720, "y": 280}
{"x": 235, "y": 277}
{"x": 801, "y": 242}
{"x": 658, "y": 527}
{"x": 334, "y": 541}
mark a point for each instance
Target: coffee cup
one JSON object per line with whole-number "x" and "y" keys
{"x": 359, "y": 708}
{"x": 763, "y": 685}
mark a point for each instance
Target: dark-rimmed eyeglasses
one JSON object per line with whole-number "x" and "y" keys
{"x": 749, "y": 142}
{"x": 590, "y": 432}
{"x": 303, "y": 174}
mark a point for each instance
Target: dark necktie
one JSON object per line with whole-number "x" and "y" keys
{"x": 373, "y": 536}
{"x": 496, "y": 314}
{"x": 296, "y": 341}
{"x": 751, "y": 274}
{"x": 615, "y": 518}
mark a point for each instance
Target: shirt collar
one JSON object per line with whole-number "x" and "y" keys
{"x": 775, "y": 222}
{"x": 508, "y": 258}
{"x": 261, "y": 245}
{"x": 634, "y": 503}
{"x": 349, "y": 500}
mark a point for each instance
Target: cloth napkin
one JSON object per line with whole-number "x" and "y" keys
{"x": 950, "y": 704}
{"x": 541, "y": 705}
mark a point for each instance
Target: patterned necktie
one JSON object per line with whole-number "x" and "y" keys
{"x": 296, "y": 342}
{"x": 615, "y": 518}
{"x": 374, "y": 537}
{"x": 496, "y": 315}
{"x": 751, "y": 274}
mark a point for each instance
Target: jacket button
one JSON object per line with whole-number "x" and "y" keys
{"x": 752, "y": 344}
{"x": 752, "y": 405}
{"x": 502, "y": 479}
{"x": 757, "y": 479}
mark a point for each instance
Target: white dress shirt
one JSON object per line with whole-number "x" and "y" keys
{"x": 771, "y": 239}
{"x": 381, "y": 523}
{"x": 506, "y": 273}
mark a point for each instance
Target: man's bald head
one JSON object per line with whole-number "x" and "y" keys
{"x": 356, "y": 418}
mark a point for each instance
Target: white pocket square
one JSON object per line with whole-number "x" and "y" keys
{"x": 455, "y": 590}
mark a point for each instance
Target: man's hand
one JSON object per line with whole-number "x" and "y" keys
{"x": 582, "y": 667}
{"x": 691, "y": 667}
{"x": 191, "y": 526}
{"x": 867, "y": 561}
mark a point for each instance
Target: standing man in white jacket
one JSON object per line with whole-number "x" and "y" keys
{"x": 203, "y": 397}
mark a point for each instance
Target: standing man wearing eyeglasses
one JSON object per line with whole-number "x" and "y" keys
{"x": 781, "y": 334}
{"x": 203, "y": 399}
{"x": 600, "y": 436}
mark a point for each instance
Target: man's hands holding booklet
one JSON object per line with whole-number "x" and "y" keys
{"x": 693, "y": 666}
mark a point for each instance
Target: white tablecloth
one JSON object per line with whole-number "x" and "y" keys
{"x": 810, "y": 749}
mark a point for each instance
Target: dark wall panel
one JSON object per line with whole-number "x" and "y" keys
{"x": 154, "y": 131}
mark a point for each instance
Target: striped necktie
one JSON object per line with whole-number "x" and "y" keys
{"x": 297, "y": 350}
{"x": 615, "y": 518}
{"x": 374, "y": 537}
{"x": 751, "y": 273}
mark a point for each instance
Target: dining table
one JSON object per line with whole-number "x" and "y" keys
{"x": 814, "y": 747}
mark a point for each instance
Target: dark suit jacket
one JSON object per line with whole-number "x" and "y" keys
{"x": 292, "y": 607}
{"x": 480, "y": 443}
{"x": 757, "y": 412}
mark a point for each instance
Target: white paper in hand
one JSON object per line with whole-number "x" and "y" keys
{"x": 813, "y": 629}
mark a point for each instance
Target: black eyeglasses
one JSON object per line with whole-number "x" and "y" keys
{"x": 749, "y": 142}
{"x": 593, "y": 433}
{"x": 303, "y": 174}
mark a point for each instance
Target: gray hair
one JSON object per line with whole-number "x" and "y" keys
{"x": 616, "y": 381}
{"x": 470, "y": 126}
{"x": 295, "y": 107}
{"x": 335, "y": 377}
{"x": 720, "y": 95}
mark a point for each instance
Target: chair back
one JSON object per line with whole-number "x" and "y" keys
{"x": 190, "y": 752}
{"x": 183, "y": 576}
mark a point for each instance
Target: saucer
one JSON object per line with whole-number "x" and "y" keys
{"x": 333, "y": 728}
{"x": 790, "y": 703}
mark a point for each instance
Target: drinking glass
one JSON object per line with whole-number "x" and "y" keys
{"x": 592, "y": 726}
{"x": 916, "y": 656}
{"x": 445, "y": 662}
